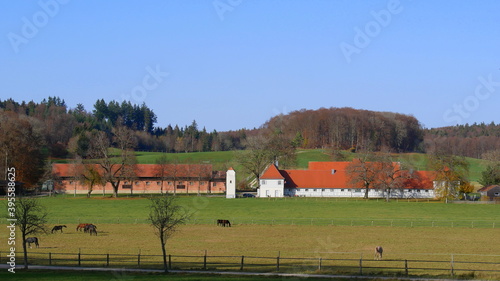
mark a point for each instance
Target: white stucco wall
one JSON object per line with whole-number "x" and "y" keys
{"x": 271, "y": 188}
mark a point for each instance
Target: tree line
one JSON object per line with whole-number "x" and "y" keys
{"x": 474, "y": 140}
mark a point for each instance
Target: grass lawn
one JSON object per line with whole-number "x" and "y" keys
{"x": 69, "y": 209}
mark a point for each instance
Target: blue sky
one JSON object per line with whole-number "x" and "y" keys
{"x": 232, "y": 64}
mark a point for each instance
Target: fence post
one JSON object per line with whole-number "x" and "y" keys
{"x": 242, "y": 261}
{"x": 79, "y": 260}
{"x": 320, "y": 262}
{"x": 107, "y": 259}
{"x": 169, "y": 261}
{"x": 452, "y": 264}
{"x": 406, "y": 267}
{"x": 205, "y": 261}
{"x": 50, "y": 258}
{"x": 278, "y": 262}
{"x": 361, "y": 266}
{"x": 139, "y": 258}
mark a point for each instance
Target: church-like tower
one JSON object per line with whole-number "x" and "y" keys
{"x": 230, "y": 183}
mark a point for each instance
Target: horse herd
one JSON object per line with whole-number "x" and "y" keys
{"x": 92, "y": 229}
{"x": 86, "y": 227}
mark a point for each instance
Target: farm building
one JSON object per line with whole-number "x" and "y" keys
{"x": 490, "y": 191}
{"x": 145, "y": 178}
{"x": 330, "y": 179}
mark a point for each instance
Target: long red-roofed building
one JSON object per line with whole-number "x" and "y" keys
{"x": 330, "y": 179}
{"x": 145, "y": 178}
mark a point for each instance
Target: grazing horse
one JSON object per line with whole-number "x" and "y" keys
{"x": 82, "y": 226}
{"x": 88, "y": 227}
{"x": 378, "y": 252}
{"x": 91, "y": 229}
{"x": 224, "y": 223}
{"x": 30, "y": 240}
{"x": 58, "y": 227}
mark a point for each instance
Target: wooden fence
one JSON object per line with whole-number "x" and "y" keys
{"x": 342, "y": 263}
{"x": 306, "y": 221}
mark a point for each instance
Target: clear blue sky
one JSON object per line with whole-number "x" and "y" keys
{"x": 231, "y": 64}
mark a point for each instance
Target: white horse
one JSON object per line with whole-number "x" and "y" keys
{"x": 378, "y": 252}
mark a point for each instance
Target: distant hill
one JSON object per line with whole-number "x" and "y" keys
{"x": 345, "y": 128}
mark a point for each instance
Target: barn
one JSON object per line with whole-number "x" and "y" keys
{"x": 330, "y": 179}
{"x": 146, "y": 178}
{"x": 490, "y": 191}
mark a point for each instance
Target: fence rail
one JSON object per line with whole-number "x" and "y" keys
{"x": 471, "y": 265}
{"x": 304, "y": 221}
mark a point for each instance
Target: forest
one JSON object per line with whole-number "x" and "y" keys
{"x": 32, "y": 132}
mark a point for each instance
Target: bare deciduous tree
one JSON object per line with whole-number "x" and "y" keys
{"x": 166, "y": 216}
{"x": 31, "y": 218}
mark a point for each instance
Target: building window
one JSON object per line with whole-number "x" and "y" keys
{"x": 314, "y": 190}
{"x": 190, "y": 183}
{"x": 342, "y": 190}
{"x": 148, "y": 183}
{"x": 158, "y": 183}
{"x": 262, "y": 182}
{"x": 136, "y": 183}
{"x": 279, "y": 182}
{"x": 215, "y": 184}
{"x": 323, "y": 190}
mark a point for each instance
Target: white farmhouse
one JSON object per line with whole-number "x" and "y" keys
{"x": 330, "y": 179}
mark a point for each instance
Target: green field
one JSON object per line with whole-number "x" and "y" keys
{"x": 292, "y": 228}
{"x": 69, "y": 209}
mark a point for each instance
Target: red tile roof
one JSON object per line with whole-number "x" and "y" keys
{"x": 272, "y": 172}
{"x": 334, "y": 175}
{"x": 487, "y": 188}
{"x": 148, "y": 170}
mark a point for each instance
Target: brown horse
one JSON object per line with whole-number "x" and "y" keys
{"x": 378, "y": 252}
{"x": 82, "y": 226}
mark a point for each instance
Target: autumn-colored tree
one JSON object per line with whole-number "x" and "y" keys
{"x": 91, "y": 177}
{"x": 114, "y": 169}
{"x": 21, "y": 146}
{"x": 391, "y": 175}
{"x": 451, "y": 171}
{"x": 363, "y": 173}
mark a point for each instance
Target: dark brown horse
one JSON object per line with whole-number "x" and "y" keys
{"x": 58, "y": 227}
{"x": 91, "y": 229}
{"x": 224, "y": 223}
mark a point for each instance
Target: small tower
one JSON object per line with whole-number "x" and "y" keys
{"x": 230, "y": 183}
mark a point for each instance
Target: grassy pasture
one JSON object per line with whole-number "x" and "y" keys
{"x": 69, "y": 209}
{"x": 123, "y": 230}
